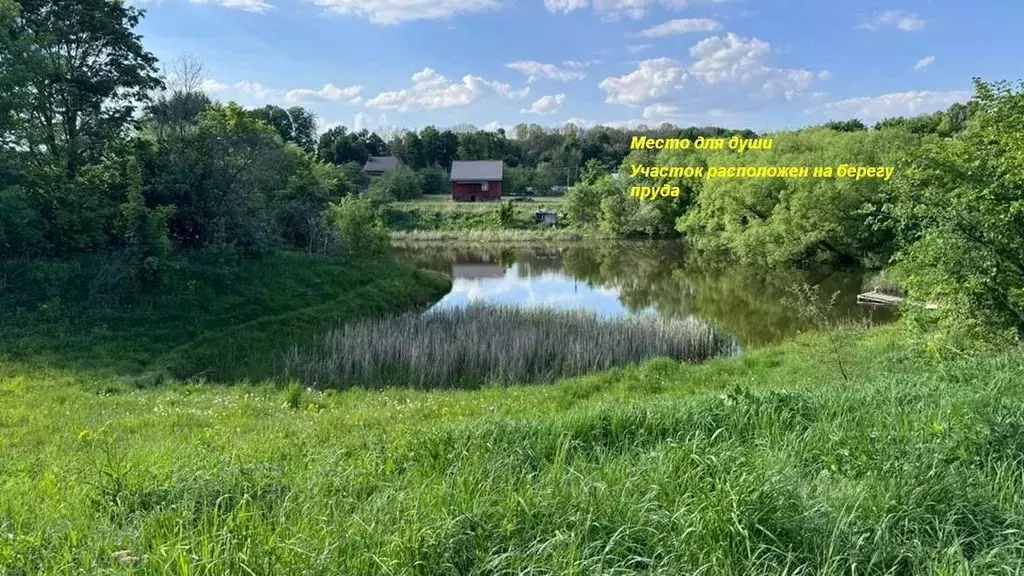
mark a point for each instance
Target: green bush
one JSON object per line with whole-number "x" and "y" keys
{"x": 360, "y": 231}
{"x": 435, "y": 181}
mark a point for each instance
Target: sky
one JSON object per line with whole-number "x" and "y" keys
{"x": 758, "y": 64}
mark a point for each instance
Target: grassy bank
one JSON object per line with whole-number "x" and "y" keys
{"x": 471, "y": 347}
{"x": 764, "y": 464}
{"x": 211, "y": 320}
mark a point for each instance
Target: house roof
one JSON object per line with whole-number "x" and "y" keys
{"x": 477, "y": 170}
{"x": 381, "y": 163}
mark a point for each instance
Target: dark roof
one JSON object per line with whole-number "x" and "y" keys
{"x": 477, "y": 170}
{"x": 381, "y": 163}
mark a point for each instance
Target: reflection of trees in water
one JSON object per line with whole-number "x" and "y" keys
{"x": 745, "y": 301}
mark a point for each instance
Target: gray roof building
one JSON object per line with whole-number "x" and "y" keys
{"x": 381, "y": 164}
{"x": 477, "y": 170}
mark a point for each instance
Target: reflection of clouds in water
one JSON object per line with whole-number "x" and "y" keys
{"x": 549, "y": 289}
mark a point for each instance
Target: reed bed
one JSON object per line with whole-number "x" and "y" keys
{"x": 479, "y": 344}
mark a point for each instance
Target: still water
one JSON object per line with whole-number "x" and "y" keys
{"x": 612, "y": 279}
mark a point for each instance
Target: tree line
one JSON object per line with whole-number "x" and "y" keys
{"x": 102, "y": 153}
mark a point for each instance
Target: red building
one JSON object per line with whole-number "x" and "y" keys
{"x": 477, "y": 181}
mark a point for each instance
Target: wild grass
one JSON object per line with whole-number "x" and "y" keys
{"x": 763, "y": 464}
{"x": 476, "y": 345}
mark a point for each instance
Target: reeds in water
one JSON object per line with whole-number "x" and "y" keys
{"x": 472, "y": 346}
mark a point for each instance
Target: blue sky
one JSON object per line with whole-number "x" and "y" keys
{"x": 760, "y": 64}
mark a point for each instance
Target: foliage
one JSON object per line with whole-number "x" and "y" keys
{"x": 402, "y": 183}
{"x": 296, "y": 125}
{"x": 361, "y": 232}
{"x": 505, "y": 216}
{"x": 800, "y": 220}
{"x": 339, "y": 146}
{"x": 434, "y": 181}
{"x": 80, "y": 72}
{"x": 962, "y": 213}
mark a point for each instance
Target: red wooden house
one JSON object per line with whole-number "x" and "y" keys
{"x": 477, "y": 180}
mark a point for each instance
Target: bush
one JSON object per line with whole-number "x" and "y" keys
{"x": 506, "y": 215}
{"x": 402, "y": 183}
{"x": 435, "y": 181}
{"x": 360, "y": 231}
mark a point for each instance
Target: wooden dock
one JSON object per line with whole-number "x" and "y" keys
{"x": 876, "y": 298}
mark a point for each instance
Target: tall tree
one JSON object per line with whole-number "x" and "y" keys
{"x": 85, "y": 72}
{"x": 339, "y": 146}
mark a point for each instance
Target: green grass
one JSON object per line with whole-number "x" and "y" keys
{"x": 480, "y": 344}
{"x": 764, "y": 464}
{"x": 213, "y": 320}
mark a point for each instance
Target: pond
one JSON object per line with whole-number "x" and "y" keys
{"x": 615, "y": 278}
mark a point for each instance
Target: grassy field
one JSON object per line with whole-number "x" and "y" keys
{"x": 769, "y": 463}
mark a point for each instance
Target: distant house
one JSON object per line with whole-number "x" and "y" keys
{"x": 380, "y": 165}
{"x": 477, "y": 180}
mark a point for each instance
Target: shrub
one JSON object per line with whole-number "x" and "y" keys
{"x": 360, "y": 231}
{"x": 435, "y": 181}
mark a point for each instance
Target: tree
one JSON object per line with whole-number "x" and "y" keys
{"x": 178, "y": 108}
{"x": 85, "y": 72}
{"x": 435, "y": 181}
{"x": 296, "y": 124}
{"x": 962, "y": 225}
{"x": 338, "y": 146}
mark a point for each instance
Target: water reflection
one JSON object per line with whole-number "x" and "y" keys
{"x": 616, "y": 278}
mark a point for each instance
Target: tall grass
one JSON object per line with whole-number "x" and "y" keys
{"x": 476, "y": 345}
{"x": 765, "y": 464}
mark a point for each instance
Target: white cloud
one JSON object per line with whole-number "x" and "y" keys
{"x": 924, "y": 62}
{"x": 634, "y": 9}
{"x": 578, "y": 122}
{"x": 660, "y": 112}
{"x": 565, "y": 6}
{"x": 247, "y": 5}
{"x": 363, "y": 121}
{"x": 894, "y": 19}
{"x": 722, "y": 67}
{"x": 211, "y": 86}
{"x": 431, "y": 90}
{"x": 546, "y": 105}
{"x": 637, "y": 48}
{"x": 254, "y": 89}
{"x": 495, "y": 126}
{"x": 682, "y": 26}
{"x": 909, "y": 103}
{"x": 580, "y": 63}
{"x": 651, "y": 80}
{"x": 398, "y": 11}
{"x": 329, "y": 92}
{"x": 534, "y": 70}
